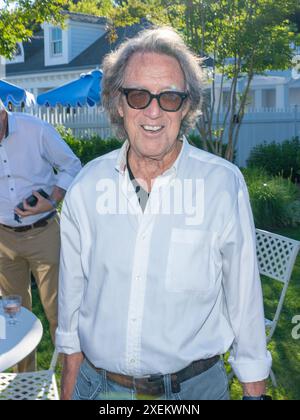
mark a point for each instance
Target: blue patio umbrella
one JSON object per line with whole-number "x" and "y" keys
{"x": 79, "y": 92}
{"x": 15, "y": 94}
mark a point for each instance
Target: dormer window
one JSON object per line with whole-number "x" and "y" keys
{"x": 18, "y": 54}
{"x": 56, "y": 42}
{"x": 18, "y": 51}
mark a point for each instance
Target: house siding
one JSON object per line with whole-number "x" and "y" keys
{"x": 81, "y": 36}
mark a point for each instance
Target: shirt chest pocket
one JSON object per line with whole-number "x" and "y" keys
{"x": 191, "y": 261}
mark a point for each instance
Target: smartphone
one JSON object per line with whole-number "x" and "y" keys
{"x": 32, "y": 200}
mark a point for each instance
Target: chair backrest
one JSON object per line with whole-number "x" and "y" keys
{"x": 53, "y": 360}
{"x": 276, "y": 256}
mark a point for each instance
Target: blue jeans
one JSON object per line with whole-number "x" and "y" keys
{"x": 210, "y": 385}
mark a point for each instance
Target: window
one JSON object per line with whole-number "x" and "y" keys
{"x": 294, "y": 96}
{"x": 18, "y": 56}
{"x": 18, "y": 51}
{"x": 269, "y": 98}
{"x": 56, "y": 42}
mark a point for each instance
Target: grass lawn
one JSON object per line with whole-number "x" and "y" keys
{"x": 285, "y": 350}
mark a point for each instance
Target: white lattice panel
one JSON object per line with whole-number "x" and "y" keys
{"x": 28, "y": 386}
{"x": 274, "y": 253}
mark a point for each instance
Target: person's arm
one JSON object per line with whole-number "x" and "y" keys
{"x": 254, "y": 389}
{"x": 249, "y": 358}
{"x": 71, "y": 367}
{"x": 71, "y": 288}
{"x": 59, "y": 155}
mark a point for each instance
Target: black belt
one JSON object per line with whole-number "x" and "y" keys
{"x": 153, "y": 385}
{"x": 40, "y": 223}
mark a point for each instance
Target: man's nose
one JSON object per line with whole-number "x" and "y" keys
{"x": 153, "y": 110}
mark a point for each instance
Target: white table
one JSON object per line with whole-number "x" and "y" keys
{"x": 21, "y": 339}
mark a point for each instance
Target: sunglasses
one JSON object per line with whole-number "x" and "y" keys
{"x": 169, "y": 101}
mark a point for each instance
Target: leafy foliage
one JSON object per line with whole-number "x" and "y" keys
{"x": 272, "y": 199}
{"x": 241, "y": 37}
{"x": 88, "y": 149}
{"x": 19, "y": 19}
{"x": 278, "y": 158}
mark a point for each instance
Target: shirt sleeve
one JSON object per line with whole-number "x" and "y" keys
{"x": 249, "y": 357}
{"x": 56, "y": 151}
{"x": 71, "y": 284}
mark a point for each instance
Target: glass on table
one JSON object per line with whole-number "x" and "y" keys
{"x": 11, "y": 307}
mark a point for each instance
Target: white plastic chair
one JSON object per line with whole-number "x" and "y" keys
{"x": 276, "y": 258}
{"x": 276, "y": 255}
{"x": 39, "y": 385}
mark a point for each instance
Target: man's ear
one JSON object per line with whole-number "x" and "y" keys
{"x": 186, "y": 108}
{"x": 120, "y": 107}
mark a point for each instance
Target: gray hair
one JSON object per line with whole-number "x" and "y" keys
{"x": 161, "y": 40}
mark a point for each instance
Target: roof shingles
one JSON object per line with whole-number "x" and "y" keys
{"x": 91, "y": 57}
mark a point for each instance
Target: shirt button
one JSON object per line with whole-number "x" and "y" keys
{"x": 138, "y": 277}
{"x": 12, "y": 189}
{"x": 132, "y": 361}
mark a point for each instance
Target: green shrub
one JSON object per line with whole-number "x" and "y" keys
{"x": 278, "y": 158}
{"x": 88, "y": 149}
{"x": 272, "y": 199}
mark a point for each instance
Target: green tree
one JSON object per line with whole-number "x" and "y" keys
{"x": 18, "y": 19}
{"x": 242, "y": 38}
{"x": 124, "y": 13}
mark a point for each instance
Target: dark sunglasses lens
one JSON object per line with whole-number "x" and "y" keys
{"x": 138, "y": 98}
{"x": 170, "y": 101}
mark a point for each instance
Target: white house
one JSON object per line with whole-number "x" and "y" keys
{"x": 55, "y": 56}
{"x": 275, "y": 90}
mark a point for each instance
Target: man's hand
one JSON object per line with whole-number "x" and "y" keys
{"x": 254, "y": 389}
{"x": 71, "y": 367}
{"x": 42, "y": 206}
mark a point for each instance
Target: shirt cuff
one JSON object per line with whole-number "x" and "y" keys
{"x": 252, "y": 371}
{"x": 64, "y": 180}
{"x": 67, "y": 343}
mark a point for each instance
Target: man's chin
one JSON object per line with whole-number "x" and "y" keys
{"x": 153, "y": 153}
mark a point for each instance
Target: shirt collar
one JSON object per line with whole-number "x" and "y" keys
{"x": 122, "y": 157}
{"x": 12, "y": 123}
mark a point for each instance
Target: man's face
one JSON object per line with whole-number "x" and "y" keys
{"x": 153, "y": 132}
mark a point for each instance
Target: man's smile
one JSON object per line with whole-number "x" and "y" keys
{"x": 152, "y": 128}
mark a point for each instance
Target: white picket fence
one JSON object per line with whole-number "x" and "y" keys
{"x": 259, "y": 126}
{"x": 266, "y": 126}
{"x": 84, "y": 122}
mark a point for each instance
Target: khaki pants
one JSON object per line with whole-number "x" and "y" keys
{"x": 36, "y": 251}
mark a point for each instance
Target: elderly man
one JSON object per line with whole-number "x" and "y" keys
{"x": 158, "y": 266}
{"x": 29, "y": 238}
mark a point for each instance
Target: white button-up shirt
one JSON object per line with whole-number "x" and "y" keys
{"x": 148, "y": 293}
{"x": 27, "y": 158}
